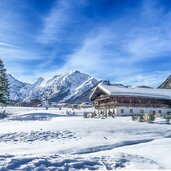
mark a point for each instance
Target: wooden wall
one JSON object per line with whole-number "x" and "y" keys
{"x": 105, "y": 101}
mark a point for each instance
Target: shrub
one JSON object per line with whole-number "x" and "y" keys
{"x": 112, "y": 115}
{"x": 141, "y": 118}
{"x": 167, "y": 118}
{"x": 150, "y": 118}
{"x": 3, "y": 115}
{"x": 90, "y": 115}
{"x": 134, "y": 117}
{"x": 85, "y": 114}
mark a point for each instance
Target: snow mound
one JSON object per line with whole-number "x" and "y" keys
{"x": 70, "y": 142}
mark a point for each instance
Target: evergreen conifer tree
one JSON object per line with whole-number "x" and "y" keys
{"x": 4, "y": 85}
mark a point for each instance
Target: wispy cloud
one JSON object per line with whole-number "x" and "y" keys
{"x": 10, "y": 53}
{"x": 153, "y": 79}
{"x": 119, "y": 43}
{"x": 54, "y": 22}
{"x": 116, "y": 53}
{"x": 6, "y": 45}
{"x": 17, "y": 34}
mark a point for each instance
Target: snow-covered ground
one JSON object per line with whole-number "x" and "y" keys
{"x": 38, "y": 139}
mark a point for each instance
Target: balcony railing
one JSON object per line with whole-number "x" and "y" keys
{"x": 110, "y": 105}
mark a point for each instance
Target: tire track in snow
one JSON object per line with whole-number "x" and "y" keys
{"x": 37, "y": 136}
{"x": 112, "y": 146}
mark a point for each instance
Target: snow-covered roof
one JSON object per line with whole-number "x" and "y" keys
{"x": 133, "y": 91}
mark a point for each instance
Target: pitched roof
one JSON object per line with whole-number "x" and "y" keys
{"x": 132, "y": 91}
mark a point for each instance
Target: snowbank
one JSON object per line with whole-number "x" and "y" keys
{"x": 51, "y": 141}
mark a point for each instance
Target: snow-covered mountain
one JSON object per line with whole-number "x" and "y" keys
{"x": 15, "y": 87}
{"x": 60, "y": 88}
{"x": 167, "y": 83}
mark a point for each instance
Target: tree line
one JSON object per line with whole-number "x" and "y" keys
{"x": 4, "y": 85}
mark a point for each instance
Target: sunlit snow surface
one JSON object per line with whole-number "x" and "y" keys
{"x": 38, "y": 139}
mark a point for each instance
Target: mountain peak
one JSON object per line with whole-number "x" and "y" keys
{"x": 75, "y": 72}
{"x": 10, "y": 77}
{"x": 60, "y": 88}
{"x": 15, "y": 86}
{"x": 40, "y": 79}
{"x": 167, "y": 83}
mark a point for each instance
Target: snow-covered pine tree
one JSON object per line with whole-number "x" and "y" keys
{"x": 4, "y": 85}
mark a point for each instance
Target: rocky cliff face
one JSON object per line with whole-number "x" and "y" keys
{"x": 167, "y": 83}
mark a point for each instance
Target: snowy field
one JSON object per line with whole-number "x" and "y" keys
{"x": 37, "y": 139}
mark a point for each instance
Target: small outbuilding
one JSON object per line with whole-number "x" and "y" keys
{"x": 86, "y": 105}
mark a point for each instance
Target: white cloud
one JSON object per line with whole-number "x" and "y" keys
{"x": 2, "y": 44}
{"x": 110, "y": 52}
{"x": 12, "y": 53}
{"x": 149, "y": 43}
{"x": 14, "y": 35}
{"x": 151, "y": 35}
{"x": 54, "y": 22}
{"x": 94, "y": 57}
{"x": 153, "y": 79}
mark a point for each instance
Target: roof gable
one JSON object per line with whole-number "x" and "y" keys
{"x": 130, "y": 91}
{"x": 97, "y": 92}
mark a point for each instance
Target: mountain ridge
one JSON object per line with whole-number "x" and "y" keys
{"x": 59, "y": 88}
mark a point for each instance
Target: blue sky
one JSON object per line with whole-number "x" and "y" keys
{"x": 125, "y": 41}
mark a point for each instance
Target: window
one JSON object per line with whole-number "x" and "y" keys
{"x": 122, "y": 110}
{"x": 141, "y": 111}
{"x": 131, "y": 110}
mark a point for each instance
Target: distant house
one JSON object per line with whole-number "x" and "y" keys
{"x": 45, "y": 104}
{"x": 54, "y": 104}
{"x": 29, "y": 103}
{"x": 68, "y": 105}
{"x": 123, "y": 101}
{"x": 86, "y": 105}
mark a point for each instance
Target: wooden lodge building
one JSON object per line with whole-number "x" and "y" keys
{"x": 123, "y": 101}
